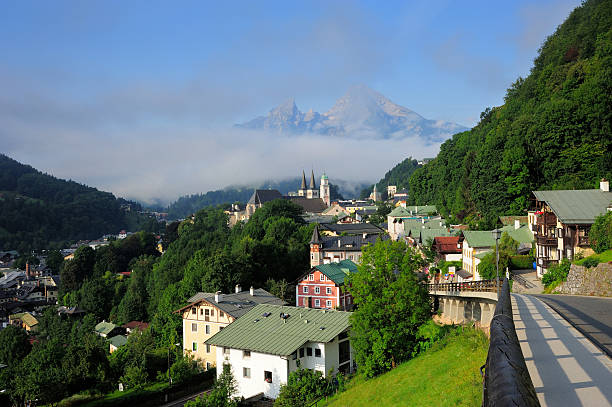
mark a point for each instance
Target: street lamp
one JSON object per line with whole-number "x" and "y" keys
{"x": 497, "y": 235}
{"x": 170, "y": 378}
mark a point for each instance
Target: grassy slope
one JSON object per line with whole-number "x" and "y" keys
{"x": 446, "y": 375}
{"x": 601, "y": 257}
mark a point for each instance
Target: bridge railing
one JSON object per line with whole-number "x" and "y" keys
{"x": 479, "y": 286}
{"x": 506, "y": 379}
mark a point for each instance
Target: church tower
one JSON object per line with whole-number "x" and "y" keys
{"x": 324, "y": 187}
{"x": 302, "y": 190}
{"x": 312, "y": 191}
{"x": 316, "y": 244}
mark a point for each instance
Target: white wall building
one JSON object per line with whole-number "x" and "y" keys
{"x": 269, "y": 342}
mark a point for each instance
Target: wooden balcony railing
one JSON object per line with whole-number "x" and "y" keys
{"x": 547, "y": 241}
{"x": 546, "y": 218}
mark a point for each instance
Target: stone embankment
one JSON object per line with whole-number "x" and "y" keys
{"x": 588, "y": 281}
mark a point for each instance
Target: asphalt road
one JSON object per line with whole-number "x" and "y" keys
{"x": 592, "y": 316}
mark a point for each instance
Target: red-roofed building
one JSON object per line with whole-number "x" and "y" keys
{"x": 448, "y": 247}
{"x": 135, "y": 326}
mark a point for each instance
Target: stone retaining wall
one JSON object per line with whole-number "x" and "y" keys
{"x": 594, "y": 281}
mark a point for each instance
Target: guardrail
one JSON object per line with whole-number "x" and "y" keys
{"x": 506, "y": 380}
{"x": 479, "y": 286}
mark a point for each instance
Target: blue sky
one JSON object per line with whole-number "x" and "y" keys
{"x": 117, "y": 86}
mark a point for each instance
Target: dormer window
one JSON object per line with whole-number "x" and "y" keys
{"x": 311, "y": 277}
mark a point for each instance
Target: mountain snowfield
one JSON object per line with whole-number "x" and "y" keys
{"x": 361, "y": 113}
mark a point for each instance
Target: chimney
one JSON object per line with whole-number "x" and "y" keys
{"x": 604, "y": 185}
{"x": 517, "y": 224}
{"x": 365, "y": 235}
{"x": 252, "y": 291}
{"x": 238, "y": 288}
{"x": 27, "y": 269}
{"x": 339, "y": 244}
{"x": 218, "y": 297}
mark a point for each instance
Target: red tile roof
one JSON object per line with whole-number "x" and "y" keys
{"x": 447, "y": 244}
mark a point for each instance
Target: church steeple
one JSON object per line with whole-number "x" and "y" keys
{"x": 312, "y": 181}
{"x": 303, "y": 180}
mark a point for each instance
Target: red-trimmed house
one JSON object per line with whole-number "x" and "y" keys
{"x": 323, "y": 286}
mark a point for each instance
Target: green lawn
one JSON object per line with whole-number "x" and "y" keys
{"x": 601, "y": 257}
{"x": 446, "y": 375}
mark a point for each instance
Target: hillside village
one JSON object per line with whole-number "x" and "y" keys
{"x": 263, "y": 337}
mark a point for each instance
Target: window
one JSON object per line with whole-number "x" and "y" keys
{"x": 207, "y": 329}
{"x": 194, "y": 311}
{"x": 207, "y": 348}
{"x": 201, "y": 311}
{"x": 305, "y": 290}
{"x": 317, "y": 290}
{"x": 212, "y": 312}
{"x": 317, "y": 302}
{"x": 317, "y": 353}
{"x": 246, "y": 353}
{"x": 226, "y": 351}
{"x": 301, "y": 352}
{"x": 308, "y": 351}
{"x": 323, "y": 278}
{"x": 221, "y": 314}
{"x": 311, "y": 277}
{"x": 246, "y": 372}
{"x": 207, "y": 312}
{"x": 328, "y": 303}
{"x": 328, "y": 290}
{"x": 268, "y": 376}
{"x": 194, "y": 346}
{"x": 208, "y": 365}
{"x": 194, "y": 327}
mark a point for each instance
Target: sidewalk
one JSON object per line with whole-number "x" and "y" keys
{"x": 565, "y": 367}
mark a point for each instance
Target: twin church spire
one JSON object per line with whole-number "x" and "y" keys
{"x": 312, "y": 192}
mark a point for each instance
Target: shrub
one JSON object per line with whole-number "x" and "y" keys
{"x": 521, "y": 262}
{"x": 590, "y": 262}
{"x": 556, "y": 273}
{"x": 600, "y": 235}
{"x": 428, "y": 334}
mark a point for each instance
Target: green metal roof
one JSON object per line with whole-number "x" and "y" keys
{"x": 399, "y": 212}
{"x": 521, "y": 235}
{"x": 337, "y": 271}
{"x": 479, "y": 238}
{"x": 576, "y": 206}
{"x": 118, "y": 340}
{"x": 277, "y": 336}
{"x": 104, "y": 327}
{"x": 427, "y": 234}
{"x": 482, "y": 255}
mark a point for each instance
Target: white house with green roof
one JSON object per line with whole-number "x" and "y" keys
{"x": 270, "y": 341}
{"x": 403, "y": 219}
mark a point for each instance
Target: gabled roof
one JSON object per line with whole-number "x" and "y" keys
{"x": 521, "y": 235}
{"x": 483, "y": 254}
{"x": 118, "y": 340}
{"x": 261, "y": 196}
{"x": 430, "y": 234}
{"x": 105, "y": 327}
{"x": 447, "y": 244}
{"x": 337, "y": 272}
{"x": 315, "y": 205}
{"x": 352, "y": 228}
{"x": 139, "y": 325}
{"x": 281, "y": 336}
{"x": 349, "y": 243}
{"x": 235, "y": 304}
{"x": 479, "y": 238}
{"x": 399, "y": 212}
{"x": 576, "y": 206}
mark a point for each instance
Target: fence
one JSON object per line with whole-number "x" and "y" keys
{"x": 478, "y": 286}
{"x": 506, "y": 378}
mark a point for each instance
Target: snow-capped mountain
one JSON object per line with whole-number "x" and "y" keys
{"x": 360, "y": 113}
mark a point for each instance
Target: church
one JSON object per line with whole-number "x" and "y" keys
{"x": 312, "y": 192}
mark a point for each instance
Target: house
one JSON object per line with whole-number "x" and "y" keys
{"x": 391, "y": 190}
{"x": 323, "y": 286}
{"x": 135, "y": 326}
{"x": 116, "y": 342}
{"x": 122, "y": 234}
{"x": 328, "y": 249}
{"x": 107, "y": 329}
{"x": 24, "y": 320}
{"x": 398, "y": 216}
{"x": 562, "y": 220}
{"x": 477, "y": 244}
{"x": 208, "y": 313}
{"x": 449, "y": 248}
{"x": 340, "y": 229}
{"x": 268, "y": 343}
{"x": 336, "y": 210}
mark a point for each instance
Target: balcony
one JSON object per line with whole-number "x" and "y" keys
{"x": 546, "y": 218}
{"x": 583, "y": 240}
{"x": 546, "y": 263}
{"x": 547, "y": 241}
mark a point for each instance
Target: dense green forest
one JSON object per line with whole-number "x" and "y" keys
{"x": 38, "y": 211}
{"x": 190, "y": 204}
{"x": 398, "y": 176}
{"x": 553, "y": 131}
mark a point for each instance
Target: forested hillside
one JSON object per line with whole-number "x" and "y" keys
{"x": 39, "y": 211}
{"x": 553, "y": 131}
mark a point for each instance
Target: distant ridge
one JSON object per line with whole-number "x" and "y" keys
{"x": 361, "y": 113}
